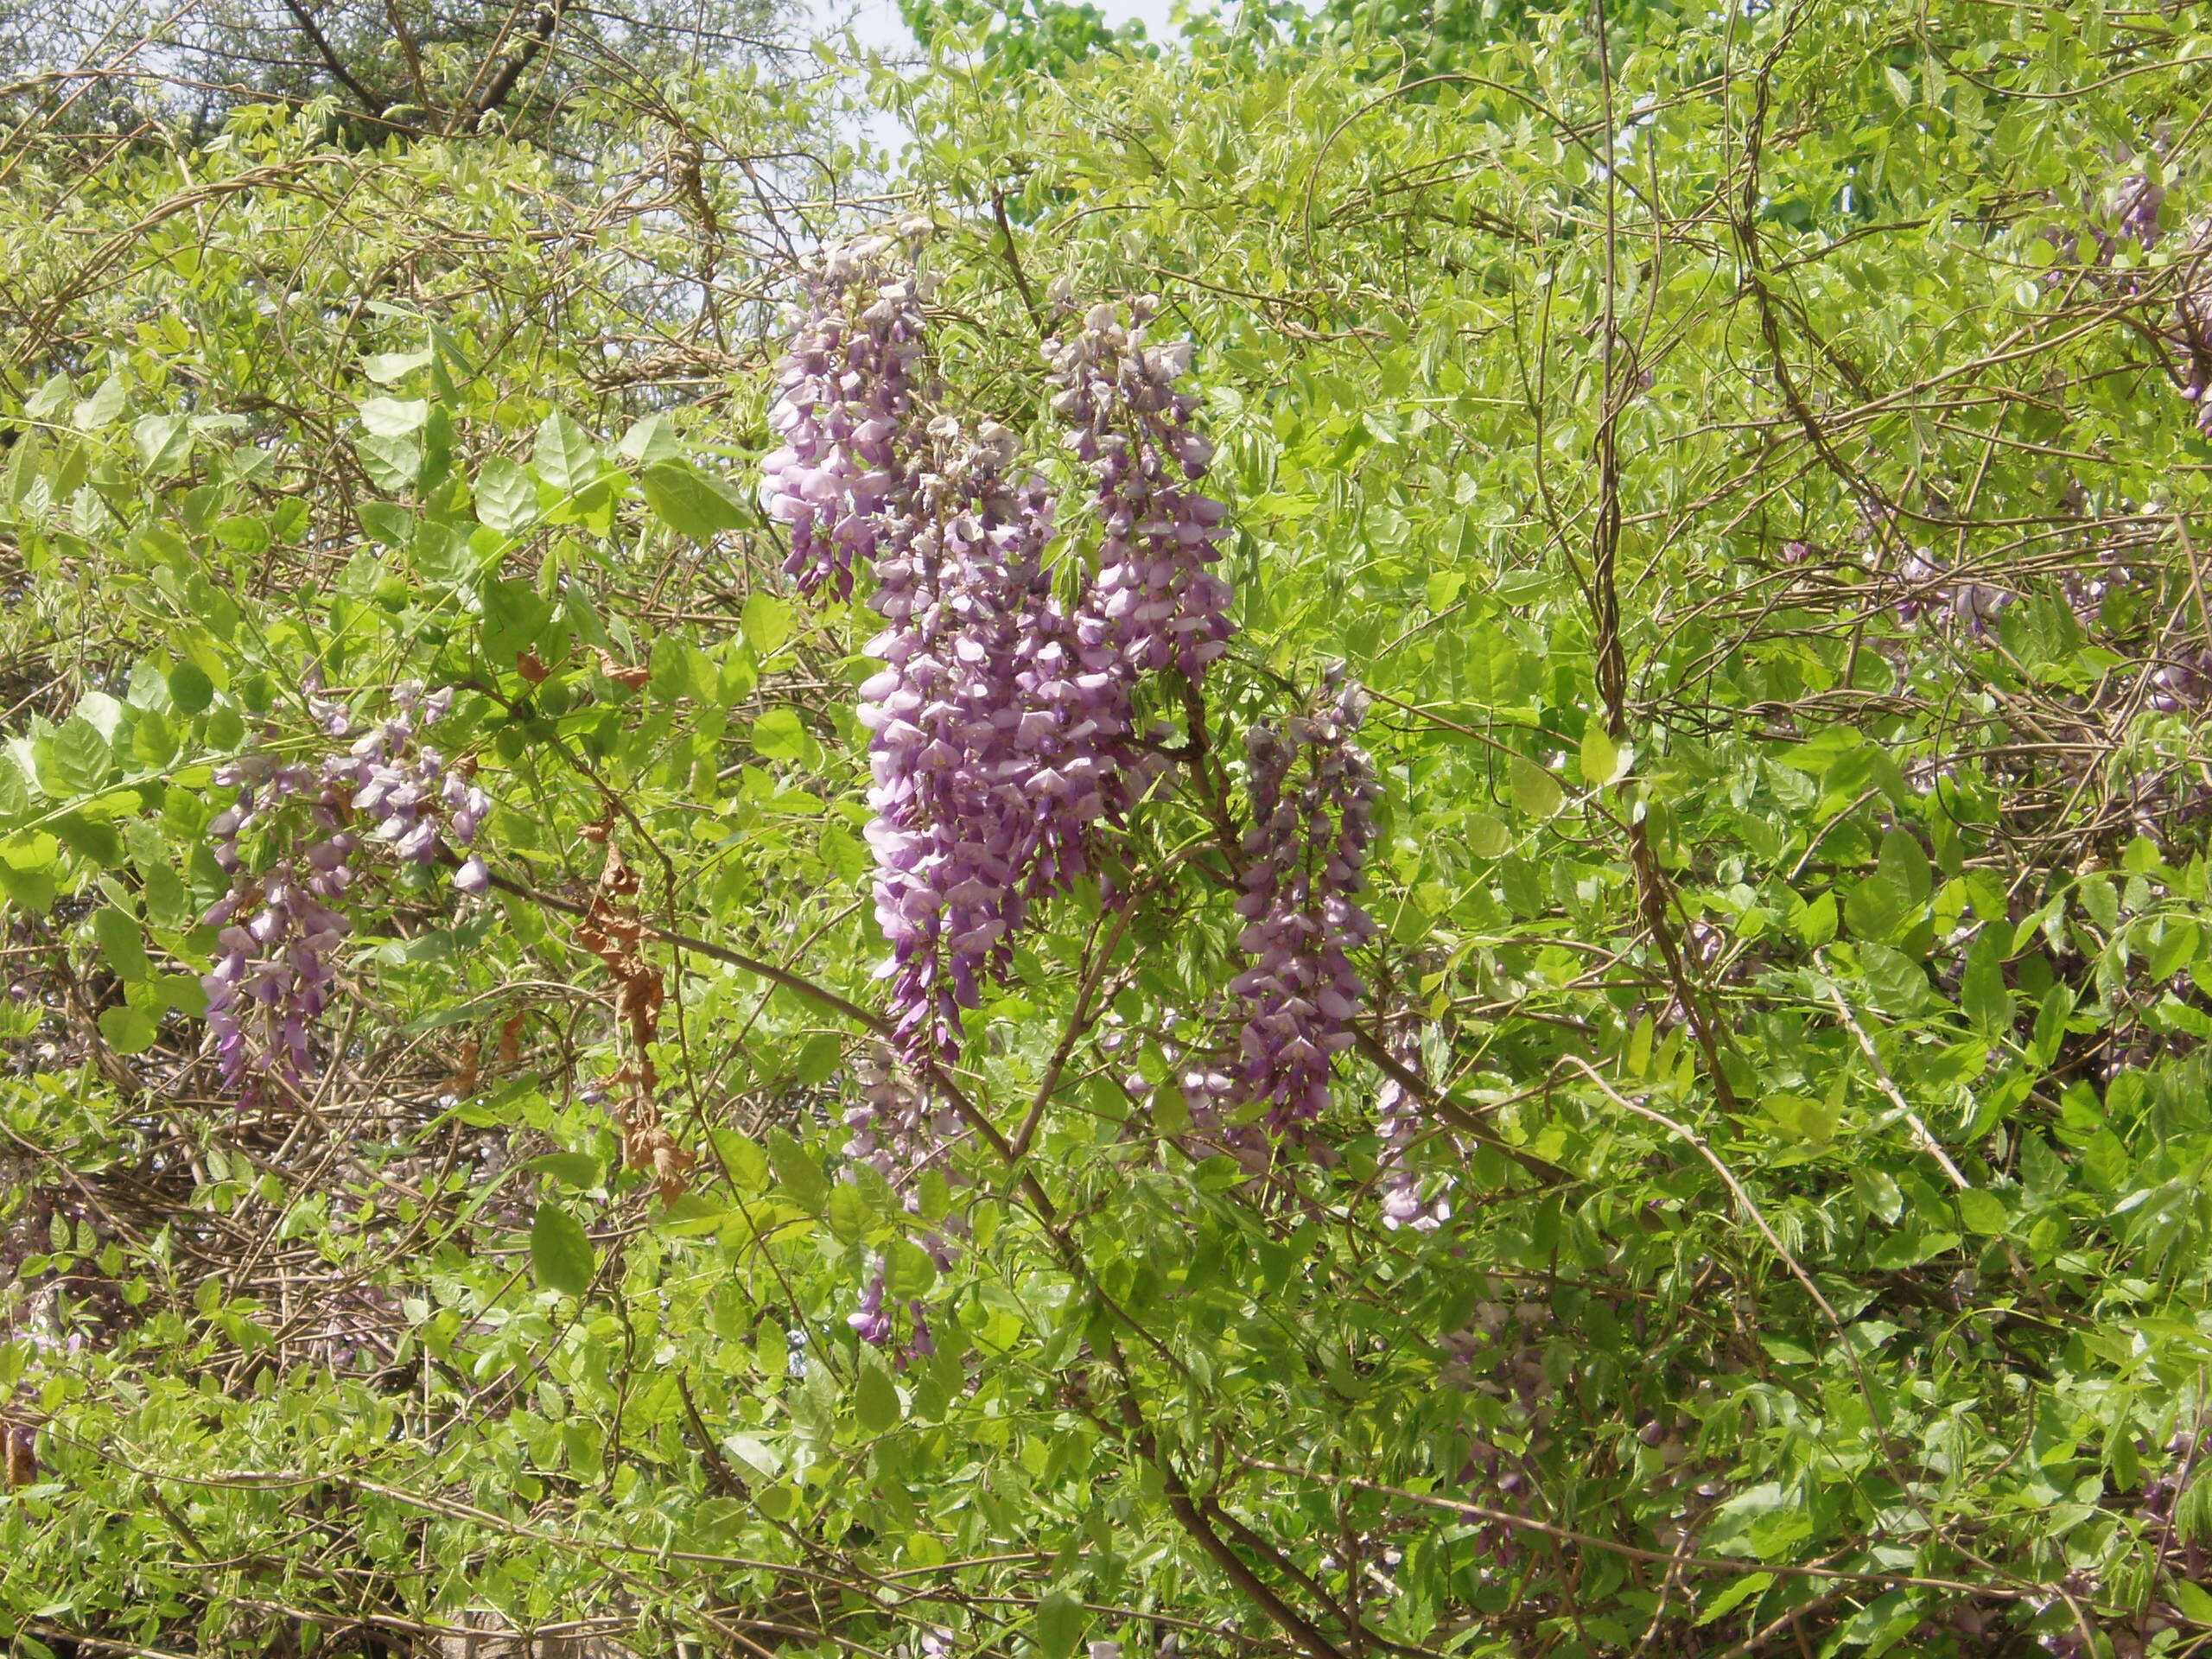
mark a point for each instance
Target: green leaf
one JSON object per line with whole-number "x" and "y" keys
{"x": 1875, "y": 906}
{"x": 514, "y": 617}
{"x": 690, "y": 503}
{"x": 2194, "y": 1600}
{"x": 849, "y": 1213}
{"x": 563, "y": 454}
{"x": 127, "y": 1030}
{"x": 507, "y": 496}
{"x": 1883, "y": 1623}
{"x": 779, "y": 735}
{"x": 1982, "y": 1213}
{"x": 1899, "y": 984}
{"x": 14, "y": 786}
{"x": 394, "y": 417}
{"x": 386, "y": 367}
{"x": 102, "y": 713}
{"x": 51, "y": 398}
{"x": 651, "y": 440}
{"x": 1536, "y": 791}
{"x": 1803, "y": 1117}
{"x": 875, "y": 1397}
{"x": 1904, "y": 863}
{"x": 819, "y": 1059}
{"x": 1601, "y": 756}
{"x": 182, "y": 991}
{"x": 392, "y": 464}
{"x": 80, "y": 756}
{"x": 908, "y": 1272}
{"x": 153, "y": 738}
{"x": 2051, "y": 1023}
{"x": 2176, "y": 947}
{"x": 2100, "y": 901}
{"x": 747, "y": 1163}
{"x": 1983, "y": 993}
{"x": 190, "y": 689}
{"x": 104, "y": 405}
{"x": 561, "y": 1255}
{"x": 89, "y": 837}
{"x": 389, "y": 524}
{"x": 1816, "y": 924}
{"x": 577, "y": 1169}
{"x": 121, "y": 943}
{"x": 1059, "y": 1625}
{"x": 1485, "y": 834}
{"x": 846, "y": 859}
{"x": 796, "y": 1172}
{"x": 766, "y": 622}
{"x": 1734, "y": 1596}
{"x": 163, "y": 443}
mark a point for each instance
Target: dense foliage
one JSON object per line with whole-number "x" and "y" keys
{"x": 1283, "y": 860}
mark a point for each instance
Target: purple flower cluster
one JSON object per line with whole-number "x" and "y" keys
{"x": 895, "y": 1128}
{"x": 896, "y": 1132}
{"x": 1398, "y": 1121}
{"x": 987, "y": 763}
{"x": 1305, "y": 850}
{"x": 1002, "y": 721}
{"x": 274, "y": 969}
{"x": 1929, "y": 592}
{"x": 2127, "y": 213}
{"x": 874, "y": 1322}
{"x": 847, "y": 397}
{"x": 1156, "y": 600}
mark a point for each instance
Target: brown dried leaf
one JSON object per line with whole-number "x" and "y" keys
{"x": 465, "y": 1077}
{"x": 635, "y": 678}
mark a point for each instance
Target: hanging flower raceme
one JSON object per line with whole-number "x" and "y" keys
{"x": 1002, "y": 719}
{"x": 1156, "y": 602}
{"x": 280, "y": 928}
{"x": 1398, "y": 1123}
{"x": 979, "y": 788}
{"x": 845, "y": 401}
{"x": 897, "y": 1131}
{"x": 1311, "y": 827}
{"x": 900, "y": 1133}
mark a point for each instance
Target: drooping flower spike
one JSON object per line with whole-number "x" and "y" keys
{"x": 281, "y": 927}
{"x": 1312, "y": 824}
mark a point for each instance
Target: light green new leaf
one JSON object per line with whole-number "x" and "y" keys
{"x": 128, "y": 1031}
{"x": 163, "y": 443}
{"x": 689, "y": 502}
{"x": 561, "y": 1255}
{"x": 1536, "y": 791}
{"x": 875, "y": 1398}
{"x": 394, "y": 417}
{"x": 563, "y": 454}
{"x": 507, "y": 496}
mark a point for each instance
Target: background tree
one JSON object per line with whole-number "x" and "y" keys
{"x": 388, "y": 65}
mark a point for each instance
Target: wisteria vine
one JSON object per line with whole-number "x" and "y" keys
{"x": 1005, "y": 722}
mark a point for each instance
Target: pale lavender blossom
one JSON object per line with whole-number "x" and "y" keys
{"x": 273, "y": 972}
{"x": 1398, "y": 1122}
{"x": 845, "y": 400}
{"x": 1156, "y": 600}
{"x": 1311, "y": 827}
